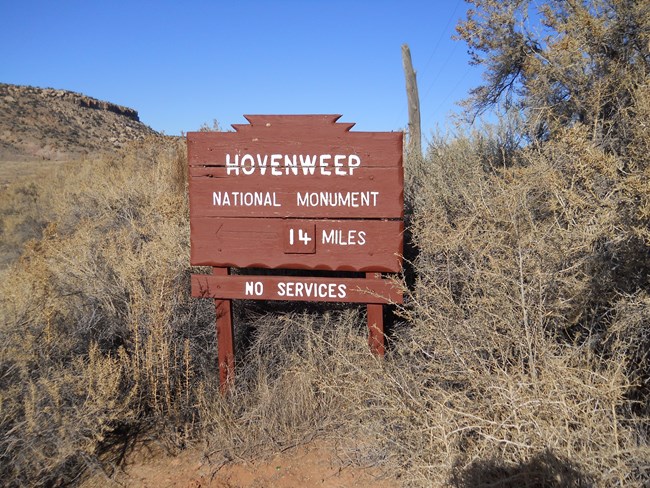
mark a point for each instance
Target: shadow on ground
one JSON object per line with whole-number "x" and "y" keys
{"x": 546, "y": 470}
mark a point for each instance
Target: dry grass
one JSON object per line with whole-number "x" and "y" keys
{"x": 520, "y": 358}
{"x": 102, "y": 296}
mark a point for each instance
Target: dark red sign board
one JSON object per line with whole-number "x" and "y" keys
{"x": 295, "y": 192}
{"x": 338, "y": 194}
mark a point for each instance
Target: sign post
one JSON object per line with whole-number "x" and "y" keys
{"x": 296, "y": 192}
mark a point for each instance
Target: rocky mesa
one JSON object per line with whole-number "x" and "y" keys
{"x": 57, "y": 125}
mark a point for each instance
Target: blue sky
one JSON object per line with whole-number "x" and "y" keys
{"x": 181, "y": 64}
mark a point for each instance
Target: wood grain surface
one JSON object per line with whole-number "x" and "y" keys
{"x": 344, "y": 245}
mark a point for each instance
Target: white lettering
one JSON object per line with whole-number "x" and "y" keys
{"x": 354, "y": 162}
{"x": 352, "y": 199}
{"x": 303, "y": 236}
{"x": 234, "y": 166}
{"x": 290, "y": 164}
{"x": 254, "y": 288}
{"x": 324, "y": 164}
{"x": 308, "y": 164}
{"x": 248, "y": 199}
{"x": 275, "y": 164}
{"x": 338, "y": 164}
{"x": 338, "y": 237}
{"x": 220, "y": 198}
{"x": 290, "y": 286}
{"x": 342, "y": 291}
{"x": 250, "y": 169}
{"x": 328, "y": 237}
{"x": 262, "y": 162}
{"x": 300, "y": 289}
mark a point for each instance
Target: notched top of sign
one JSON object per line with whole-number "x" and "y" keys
{"x": 319, "y": 122}
{"x": 295, "y": 135}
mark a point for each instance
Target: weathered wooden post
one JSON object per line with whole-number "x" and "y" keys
{"x": 413, "y": 100}
{"x": 225, "y": 337}
{"x": 296, "y": 192}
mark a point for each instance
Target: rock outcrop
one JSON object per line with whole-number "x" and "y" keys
{"x": 49, "y": 124}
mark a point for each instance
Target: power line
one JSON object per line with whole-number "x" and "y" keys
{"x": 444, "y": 65}
{"x": 447, "y": 97}
{"x": 437, "y": 45}
{"x": 442, "y": 34}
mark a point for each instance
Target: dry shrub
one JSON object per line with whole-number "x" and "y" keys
{"x": 523, "y": 348}
{"x": 58, "y": 420}
{"x": 523, "y": 357}
{"x": 106, "y": 289}
{"x": 21, "y": 218}
{"x": 104, "y": 294}
{"x": 287, "y": 389}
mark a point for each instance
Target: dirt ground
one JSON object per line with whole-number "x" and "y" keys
{"x": 318, "y": 464}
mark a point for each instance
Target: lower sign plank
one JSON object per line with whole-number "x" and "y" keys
{"x": 294, "y": 288}
{"x": 344, "y": 245}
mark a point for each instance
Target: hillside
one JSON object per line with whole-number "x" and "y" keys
{"x": 44, "y": 124}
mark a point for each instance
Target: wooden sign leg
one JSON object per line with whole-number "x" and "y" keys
{"x": 375, "y": 315}
{"x": 225, "y": 341}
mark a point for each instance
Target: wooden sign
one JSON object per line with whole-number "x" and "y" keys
{"x": 295, "y": 192}
{"x": 296, "y": 167}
